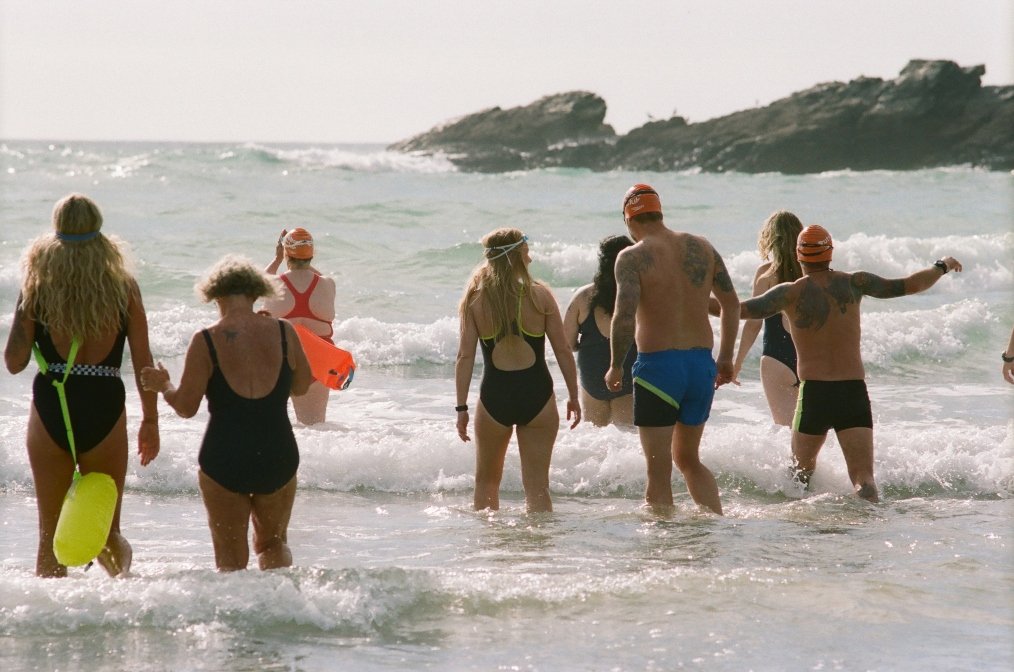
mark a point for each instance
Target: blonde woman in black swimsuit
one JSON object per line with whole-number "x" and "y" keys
{"x": 77, "y": 284}
{"x": 510, "y": 316}
{"x": 777, "y": 246}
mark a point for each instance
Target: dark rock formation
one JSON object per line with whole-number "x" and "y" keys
{"x": 554, "y": 130}
{"x": 934, "y": 113}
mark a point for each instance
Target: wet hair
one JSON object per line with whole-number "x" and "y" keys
{"x": 235, "y": 275}
{"x": 502, "y": 279}
{"x": 77, "y": 286}
{"x": 604, "y": 283}
{"x": 777, "y": 243}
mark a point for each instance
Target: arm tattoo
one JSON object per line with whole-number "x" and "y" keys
{"x": 767, "y": 304}
{"x": 876, "y": 286}
{"x": 722, "y": 279}
{"x": 695, "y": 265}
{"x": 628, "y": 295}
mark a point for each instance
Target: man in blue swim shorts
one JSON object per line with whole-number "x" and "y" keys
{"x": 664, "y": 283}
{"x": 823, "y": 311}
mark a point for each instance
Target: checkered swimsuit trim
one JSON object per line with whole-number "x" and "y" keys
{"x": 86, "y": 370}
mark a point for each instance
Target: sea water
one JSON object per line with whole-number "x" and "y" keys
{"x": 394, "y": 571}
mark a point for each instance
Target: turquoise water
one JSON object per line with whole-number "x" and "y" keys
{"x": 394, "y": 571}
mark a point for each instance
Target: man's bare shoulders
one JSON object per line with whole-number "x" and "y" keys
{"x": 818, "y": 298}
{"x": 634, "y": 260}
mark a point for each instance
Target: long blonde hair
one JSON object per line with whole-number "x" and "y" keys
{"x": 777, "y": 243}
{"x": 76, "y": 287}
{"x": 501, "y": 278}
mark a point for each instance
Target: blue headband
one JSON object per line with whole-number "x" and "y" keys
{"x": 76, "y": 237}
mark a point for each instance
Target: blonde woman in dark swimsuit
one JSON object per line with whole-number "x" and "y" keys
{"x": 511, "y": 316}
{"x": 77, "y": 286}
{"x": 777, "y": 246}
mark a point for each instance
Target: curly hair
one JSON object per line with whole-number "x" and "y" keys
{"x": 74, "y": 286}
{"x": 235, "y": 275}
{"x": 502, "y": 279}
{"x": 777, "y": 242}
{"x": 604, "y": 292}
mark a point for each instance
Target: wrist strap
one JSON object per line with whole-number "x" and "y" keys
{"x": 462, "y": 408}
{"x": 939, "y": 263}
{"x": 1004, "y": 357}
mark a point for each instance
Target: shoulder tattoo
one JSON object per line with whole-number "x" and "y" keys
{"x": 695, "y": 264}
{"x": 815, "y": 302}
{"x": 722, "y": 279}
{"x": 632, "y": 265}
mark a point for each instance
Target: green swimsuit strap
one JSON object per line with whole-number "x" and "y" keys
{"x": 62, "y": 394}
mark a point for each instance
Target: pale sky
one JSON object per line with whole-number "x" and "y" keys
{"x": 384, "y": 70}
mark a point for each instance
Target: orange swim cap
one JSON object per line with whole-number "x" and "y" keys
{"x": 814, "y": 244}
{"x": 298, "y": 244}
{"x": 639, "y": 199}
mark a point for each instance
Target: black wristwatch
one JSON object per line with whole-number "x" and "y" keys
{"x": 1004, "y": 357}
{"x": 939, "y": 263}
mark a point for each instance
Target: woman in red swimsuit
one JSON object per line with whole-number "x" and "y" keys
{"x": 308, "y": 300}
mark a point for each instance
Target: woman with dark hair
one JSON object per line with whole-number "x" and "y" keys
{"x": 248, "y": 365}
{"x": 79, "y": 301}
{"x": 777, "y": 246}
{"x": 510, "y": 316}
{"x": 586, "y": 325}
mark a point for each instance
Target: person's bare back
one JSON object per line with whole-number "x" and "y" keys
{"x": 676, "y": 272}
{"x": 824, "y": 323}
{"x": 664, "y": 285}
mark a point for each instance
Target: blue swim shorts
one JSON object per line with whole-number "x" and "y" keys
{"x": 673, "y": 386}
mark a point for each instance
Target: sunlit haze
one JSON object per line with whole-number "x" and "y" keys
{"x": 384, "y": 70}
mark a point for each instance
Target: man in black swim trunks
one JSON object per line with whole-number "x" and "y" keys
{"x": 823, "y": 312}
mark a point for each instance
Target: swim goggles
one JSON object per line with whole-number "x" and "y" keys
{"x": 505, "y": 249}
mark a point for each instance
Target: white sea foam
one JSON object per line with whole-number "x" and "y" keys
{"x": 393, "y": 568}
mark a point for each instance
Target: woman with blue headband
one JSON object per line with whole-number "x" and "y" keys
{"x": 510, "y": 316}
{"x": 79, "y": 302}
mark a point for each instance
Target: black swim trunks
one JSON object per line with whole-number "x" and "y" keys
{"x": 832, "y": 404}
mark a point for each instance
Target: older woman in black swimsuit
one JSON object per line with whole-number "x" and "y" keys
{"x": 510, "y": 316}
{"x": 247, "y": 365}
{"x": 777, "y": 246}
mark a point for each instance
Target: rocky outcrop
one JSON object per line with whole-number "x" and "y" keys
{"x": 935, "y": 113}
{"x": 551, "y": 131}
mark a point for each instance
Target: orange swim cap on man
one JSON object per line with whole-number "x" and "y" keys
{"x": 298, "y": 244}
{"x": 639, "y": 199}
{"x": 814, "y": 244}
